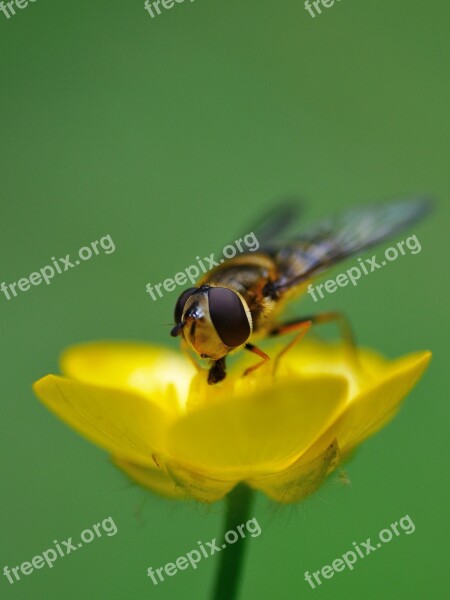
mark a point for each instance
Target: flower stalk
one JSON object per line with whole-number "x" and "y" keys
{"x": 228, "y": 577}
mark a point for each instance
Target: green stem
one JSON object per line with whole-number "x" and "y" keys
{"x": 231, "y": 559}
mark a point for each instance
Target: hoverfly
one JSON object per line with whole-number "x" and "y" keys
{"x": 239, "y": 300}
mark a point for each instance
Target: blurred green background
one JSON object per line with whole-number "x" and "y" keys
{"x": 171, "y": 134}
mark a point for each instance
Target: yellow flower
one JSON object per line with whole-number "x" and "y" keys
{"x": 280, "y": 433}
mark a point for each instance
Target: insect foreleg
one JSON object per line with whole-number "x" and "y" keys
{"x": 217, "y": 372}
{"x": 265, "y": 357}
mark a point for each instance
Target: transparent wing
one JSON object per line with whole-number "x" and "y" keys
{"x": 336, "y": 238}
{"x": 272, "y": 225}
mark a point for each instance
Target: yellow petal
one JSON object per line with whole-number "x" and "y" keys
{"x": 155, "y": 479}
{"x": 173, "y": 481}
{"x": 315, "y": 357}
{"x": 259, "y": 432}
{"x": 199, "y": 487}
{"x": 147, "y": 369}
{"x": 124, "y": 423}
{"x": 300, "y": 479}
{"x": 377, "y": 404}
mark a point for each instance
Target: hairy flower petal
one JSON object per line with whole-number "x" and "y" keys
{"x": 124, "y": 423}
{"x": 280, "y": 432}
{"x": 155, "y": 479}
{"x": 150, "y": 370}
{"x": 376, "y": 405}
{"x": 300, "y": 479}
{"x": 260, "y": 432}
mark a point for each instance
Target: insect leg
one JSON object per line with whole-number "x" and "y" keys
{"x": 217, "y": 372}
{"x": 265, "y": 357}
{"x": 346, "y": 332}
{"x": 342, "y": 322}
{"x": 339, "y": 318}
{"x": 300, "y": 325}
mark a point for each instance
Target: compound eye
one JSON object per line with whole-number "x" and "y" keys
{"x": 228, "y": 316}
{"x": 179, "y": 306}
